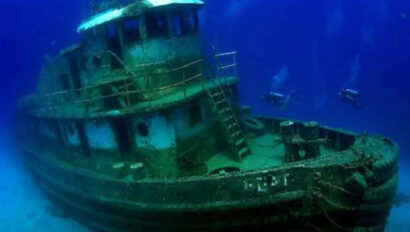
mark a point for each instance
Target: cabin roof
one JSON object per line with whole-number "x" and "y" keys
{"x": 132, "y": 9}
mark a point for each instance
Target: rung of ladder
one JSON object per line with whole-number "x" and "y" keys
{"x": 226, "y": 66}
{"x": 239, "y": 142}
{"x": 229, "y": 118}
{"x": 225, "y": 54}
{"x": 233, "y": 125}
{"x": 244, "y": 151}
{"x": 215, "y": 95}
{"x": 224, "y": 110}
{"x": 221, "y": 102}
{"x": 236, "y": 133}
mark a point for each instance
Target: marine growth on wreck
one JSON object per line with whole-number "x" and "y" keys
{"x": 135, "y": 128}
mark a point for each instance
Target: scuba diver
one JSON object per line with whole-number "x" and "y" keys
{"x": 350, "y": 96}
{"x": 278, "y": 99}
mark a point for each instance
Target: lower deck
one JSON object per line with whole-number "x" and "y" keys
{"x": 228, "y": 194}
{"x": 267, "y": 152}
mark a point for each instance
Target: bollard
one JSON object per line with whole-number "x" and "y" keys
{"x": 288, "y": 133}
{"x": 119, "y": 170}
{"x": 310, "y": 133}
{"x": 137, "y": 171}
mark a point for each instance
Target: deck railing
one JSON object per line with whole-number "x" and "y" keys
{"x": 133, "y": 85}
{"x": 229, "y": 61}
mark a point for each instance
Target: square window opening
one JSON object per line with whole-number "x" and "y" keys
{"x": 156, "y": 24}
{"x": 114, "y": 45}
{"x": 177, "y": 25}
{"x": 184, "y": 23}
{"x": 195, "y": 114}
{"x": 131, "y": 31}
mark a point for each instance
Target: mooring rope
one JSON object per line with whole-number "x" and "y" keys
{"x": 320, "y": 195}
{"x": 335, "y": 223}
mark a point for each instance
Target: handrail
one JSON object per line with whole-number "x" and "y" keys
{"x": 124, "y": 86}
{"x": 225, "y": 54}
{"x": 123, "y": 79}
{"x": 223, "y": 66}
{"x": 60, "y": 95}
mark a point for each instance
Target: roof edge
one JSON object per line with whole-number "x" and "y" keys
{"x": 116, "y": 13}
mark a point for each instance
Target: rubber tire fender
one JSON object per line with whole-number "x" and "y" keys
{"x": 382, "y": 193}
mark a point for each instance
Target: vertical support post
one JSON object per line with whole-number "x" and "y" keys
{"x": 236, "y": 65}
{"x": 137, "y": 171}
{"x": 217, "y": 65}
{"x": 183, "y": 83}
{"x": 310, "y": 132}
{"x": 338, "y": 145}
{"x": 127, "y": 94}
{"x": 121, "y": 37}
{"x": 60, "y": 145}
{"x": 288, "y": 133}
{"x": 83, "y": 138}
{"x": 148, "y": 90}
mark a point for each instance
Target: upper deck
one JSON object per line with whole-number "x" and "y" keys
{"x": 131, "y": 92}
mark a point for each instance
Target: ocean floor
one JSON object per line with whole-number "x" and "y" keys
{"x": 23, "y": 208}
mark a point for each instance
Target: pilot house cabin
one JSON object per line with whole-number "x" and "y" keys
{"x": 134, "y": 91}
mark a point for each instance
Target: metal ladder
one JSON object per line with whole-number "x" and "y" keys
{"x": 236, "y": 137}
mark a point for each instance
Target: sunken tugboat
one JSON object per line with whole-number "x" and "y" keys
{"x": 133, "y": 129}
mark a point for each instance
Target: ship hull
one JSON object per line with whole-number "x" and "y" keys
{"x": 326, "y": 194}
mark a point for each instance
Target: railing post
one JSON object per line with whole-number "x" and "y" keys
{"x": 183, "y": 83}
{"x": 127, "y": 95}
{"x": 236, "y": 65}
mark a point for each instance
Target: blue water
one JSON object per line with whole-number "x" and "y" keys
{"x": 314, "y": 46}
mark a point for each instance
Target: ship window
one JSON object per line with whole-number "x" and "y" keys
{"x": 195, "y": 115}
{"x": 75, "y": 73}
{"x": 177, "y": 21}
{"x": 184, "y": 24}
{"x": 121, "y": 135}
{"x": 131, "y": 30}
{"x": 156, "y": 24}
{"x": 191, "y": 23}
{"x": 114, "y": 45}
{"x": 70, "y": 129}
{"x": 65, "y": 82}
{"x": 111, "y": 31}
{"x": 143, "y": 129}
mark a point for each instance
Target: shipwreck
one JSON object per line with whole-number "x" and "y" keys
{"x": 136, "y": 128}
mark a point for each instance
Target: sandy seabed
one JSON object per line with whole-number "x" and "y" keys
{"x": 23, "y": 208}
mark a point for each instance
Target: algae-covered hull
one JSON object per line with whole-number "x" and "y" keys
{"x": 351, "y": 189}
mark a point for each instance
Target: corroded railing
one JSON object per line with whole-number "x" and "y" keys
{"x": 132, "y": 85}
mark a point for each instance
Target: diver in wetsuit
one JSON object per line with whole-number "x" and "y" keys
{"x": 278, "y": 99}
{"x": 350, "y": 96}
